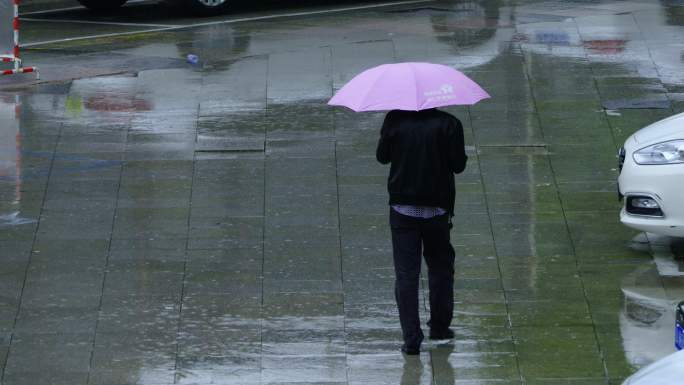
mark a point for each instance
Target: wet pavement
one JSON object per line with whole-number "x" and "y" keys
{"x": 169, "y": 223}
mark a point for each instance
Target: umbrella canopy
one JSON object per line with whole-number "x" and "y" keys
{"x": 408, "y": 86}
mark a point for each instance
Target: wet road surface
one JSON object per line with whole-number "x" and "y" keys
{"x": 217, "y": 223}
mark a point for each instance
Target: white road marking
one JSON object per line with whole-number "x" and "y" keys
{"x": 218, "y": 22}
{"x": 307, "y": 13}
{"x": 104, "y": 35}
{"x": 98, "y": 22}
{"x": 72, "y": 8}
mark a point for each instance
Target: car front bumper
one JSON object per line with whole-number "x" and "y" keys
{"x": 662, "y": 183}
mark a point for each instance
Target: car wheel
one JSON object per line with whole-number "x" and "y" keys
{"x": 102, "y": 5}
{"x": 203, "y": 7}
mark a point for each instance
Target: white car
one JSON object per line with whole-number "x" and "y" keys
{"x": 652, "y": 178}
{"x": 666, "y": 371}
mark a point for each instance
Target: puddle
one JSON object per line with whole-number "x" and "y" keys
{"x": 648, "y": 317}
{"x": 14, "y": 219}
{"x": 650, "y": 294}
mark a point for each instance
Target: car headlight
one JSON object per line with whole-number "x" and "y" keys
{"x": 661, "y": 153}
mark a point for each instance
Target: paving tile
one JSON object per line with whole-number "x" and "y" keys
{"x": 141, "y": 282}
{"x": 209, "y": 282}
{"x": 218, "y": 354}
{"x": 473, "y": 366}
{"x": 64, "y": 320}
{"x": 147, "y": 250}
{"x": 389, "y": 368}
{"x": 558, "y": 352}
{"x": 127, "y": 376}
{"x": 132, "y": 349}
{"x": 119, "y": 313}
{"x": 293, "y": 368}
{"x": 549, "y": 313}
{"x": 146, "y": 223}
{"x": 223, "y": 376}
{"x": 51, "y": 377}
{"x": 55, "y": 353}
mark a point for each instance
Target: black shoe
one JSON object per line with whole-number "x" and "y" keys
{"x": 410, "y": 350}
{"x": 411, "y": 344}
{"x": 446, "y": 334}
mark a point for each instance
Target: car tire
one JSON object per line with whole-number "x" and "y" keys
{"x": 202, "y": 7}
{"x": 102, "y": 5}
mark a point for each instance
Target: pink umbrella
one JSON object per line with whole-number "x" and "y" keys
{"x": 408, "y": 86}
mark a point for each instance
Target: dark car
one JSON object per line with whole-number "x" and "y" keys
{"x": 200, "y": 7}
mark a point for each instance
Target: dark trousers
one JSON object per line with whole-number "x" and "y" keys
{"x": 410, "y": 237}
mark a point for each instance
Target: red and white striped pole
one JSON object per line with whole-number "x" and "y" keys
{"x": 17, "y": 61}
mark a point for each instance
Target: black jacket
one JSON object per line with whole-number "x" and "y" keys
{"x": 426, "y": 149}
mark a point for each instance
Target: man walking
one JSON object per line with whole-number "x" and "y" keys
{"x": 425, "y": 149}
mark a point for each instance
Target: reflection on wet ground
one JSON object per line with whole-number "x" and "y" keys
{"x": 217, "y": 223}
